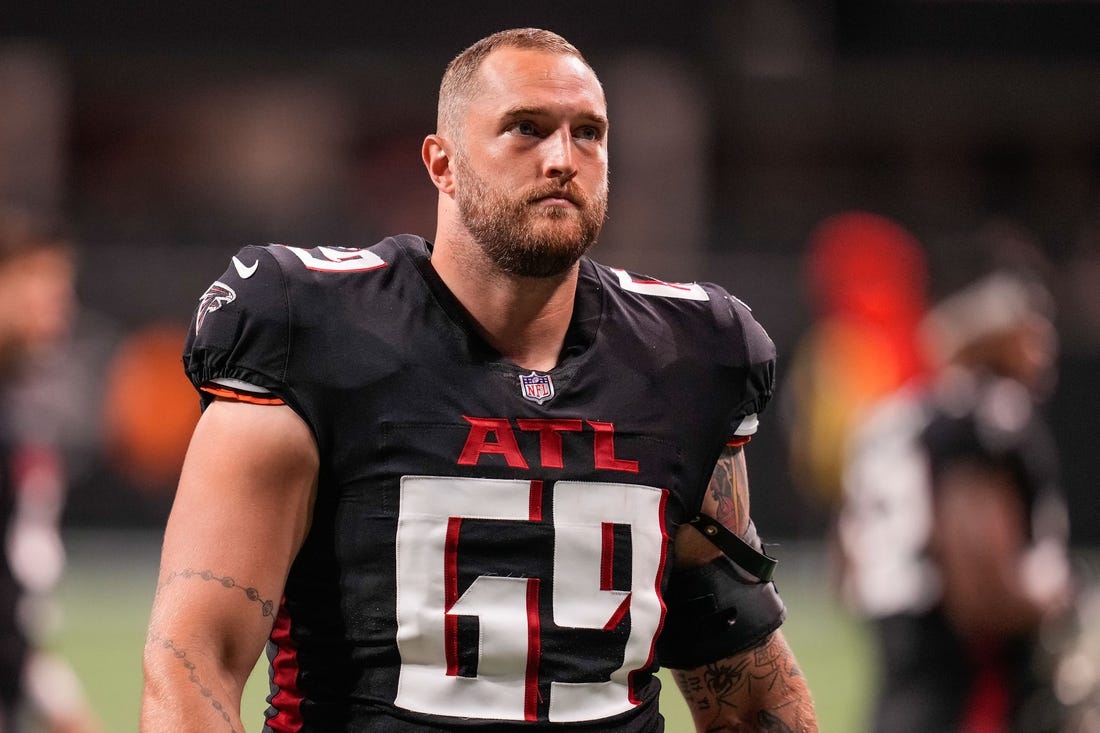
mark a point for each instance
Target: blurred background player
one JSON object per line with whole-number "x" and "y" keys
{"x": 953, "y": 530}
{"x": 37, "y": 302}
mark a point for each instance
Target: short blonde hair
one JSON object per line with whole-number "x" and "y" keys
{"x": 459, "y": 84}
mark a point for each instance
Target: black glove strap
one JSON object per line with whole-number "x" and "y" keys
{"x": 746, "y": 556}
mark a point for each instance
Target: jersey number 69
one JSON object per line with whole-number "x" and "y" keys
{"x": 506, "y": 684}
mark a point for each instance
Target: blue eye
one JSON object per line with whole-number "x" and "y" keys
{"x": 526, "y": 128}
{"x": 589, "y": 133}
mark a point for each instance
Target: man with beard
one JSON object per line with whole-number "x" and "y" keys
{"x": 456, "y": 485}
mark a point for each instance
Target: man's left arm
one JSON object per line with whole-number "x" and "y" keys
{"x": 760, "y": 688}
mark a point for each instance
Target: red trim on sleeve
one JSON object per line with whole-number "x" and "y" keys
{"x": 240, "y": 396}
{"x": 286, "y": 698}
{"x": 738, "y": 440}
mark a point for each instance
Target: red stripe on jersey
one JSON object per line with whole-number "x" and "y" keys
{"x": 450, "y": 591}
{"x": 607, "y": 557}
{"x": 989, "y": 703}
{"x": 534, "y": 510}
{"x": 242, "y": 396}
{"x": 617, "y": 617}
{"x": 534, "y": 653}
{"x": 286, "y": 698}
{"x": 738, "y": 441}
{"x": 660, "y": 574}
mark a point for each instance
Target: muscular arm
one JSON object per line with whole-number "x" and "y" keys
{"x": 760, "y": 689}
{"x": 240, "y": 515}
{"x": 981, "y": 540}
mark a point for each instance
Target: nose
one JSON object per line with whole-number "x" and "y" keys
{"x": 558, "y": 155}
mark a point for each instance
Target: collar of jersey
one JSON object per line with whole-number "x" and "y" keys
{"x": 583, "y": 327}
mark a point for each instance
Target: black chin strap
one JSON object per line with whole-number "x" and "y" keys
{"x": 736, "y": 549}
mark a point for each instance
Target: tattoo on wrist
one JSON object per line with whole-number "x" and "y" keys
{"x": 193, "y": 676}
{"x": 267, "y": 607}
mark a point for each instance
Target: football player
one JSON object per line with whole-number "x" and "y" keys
{"x": 480, "y": 482}
{"x": 954, "y": 529}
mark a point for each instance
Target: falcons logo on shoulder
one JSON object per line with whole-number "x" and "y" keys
{"x": 214, "y": 298}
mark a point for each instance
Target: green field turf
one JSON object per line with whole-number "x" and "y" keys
{"x": 107, "y": 591}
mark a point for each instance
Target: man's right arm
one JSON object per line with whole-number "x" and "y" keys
{"x": 760, "y": 688}
{"x": 240, "y": 515}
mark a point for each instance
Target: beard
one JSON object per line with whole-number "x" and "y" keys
{"x": 523, "y": 240}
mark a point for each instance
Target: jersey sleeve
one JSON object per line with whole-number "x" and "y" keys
{"x": 750, "y": 352}
{"x": 239, "y": 338}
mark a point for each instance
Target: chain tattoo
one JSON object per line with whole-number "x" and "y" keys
{"x": 193, "y": 676}
{"x": 267, "y": 607}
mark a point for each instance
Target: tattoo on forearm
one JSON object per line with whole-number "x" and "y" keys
{"x": 193, "y": 676}
{"x": 267, "y": 607}
{"x": 763, "y": 689}
{"x": 729, "y": 487}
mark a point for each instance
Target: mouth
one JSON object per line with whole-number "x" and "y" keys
{"x": 556, "y": 202}
{"x": 556, "y": 198}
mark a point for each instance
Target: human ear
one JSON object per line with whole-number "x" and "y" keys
{"x": 438, "y": 162}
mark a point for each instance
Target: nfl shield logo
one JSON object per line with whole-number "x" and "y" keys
{"x": 536, "y": 387}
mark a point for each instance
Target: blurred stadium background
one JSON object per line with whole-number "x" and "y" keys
{"x": 166, "y": 135}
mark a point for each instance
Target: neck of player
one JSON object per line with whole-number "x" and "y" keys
{"x": 525, "y": 319}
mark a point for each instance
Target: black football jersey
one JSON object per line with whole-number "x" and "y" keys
{"x": 994, "y": 422}
{"x": 489, "y": 543}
